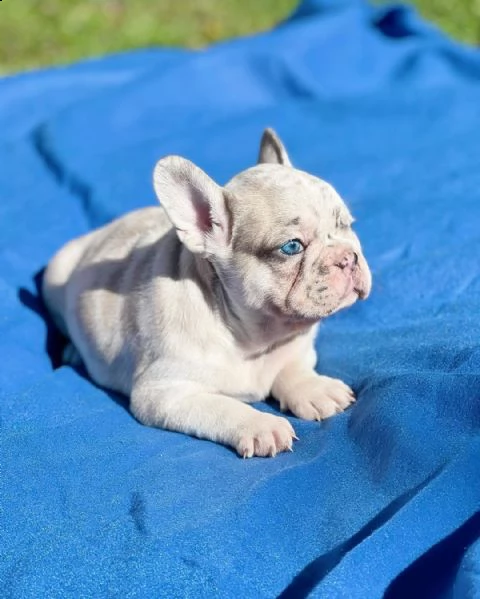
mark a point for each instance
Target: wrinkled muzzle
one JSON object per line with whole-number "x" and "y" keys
{"x": 334, "y": 280}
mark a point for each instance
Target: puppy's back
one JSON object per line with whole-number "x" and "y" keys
{"x": 110, "y": 243}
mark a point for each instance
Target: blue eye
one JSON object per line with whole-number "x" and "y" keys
{"x": 292, "y": 247}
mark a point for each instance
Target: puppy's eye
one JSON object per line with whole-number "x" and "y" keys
{"x": 292, "y": 247}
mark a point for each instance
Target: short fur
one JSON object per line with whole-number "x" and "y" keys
{"x": 192, "y": 309}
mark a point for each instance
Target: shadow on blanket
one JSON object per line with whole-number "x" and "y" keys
{"x": 304, "y": 583}
{"x": 55, "y": 342}
{"x": 446, "y": 556}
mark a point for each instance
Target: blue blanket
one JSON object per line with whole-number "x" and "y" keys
{"x": 380, "y": 501}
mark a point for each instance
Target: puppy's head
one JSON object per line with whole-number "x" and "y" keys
{"x": 280, "y": 240}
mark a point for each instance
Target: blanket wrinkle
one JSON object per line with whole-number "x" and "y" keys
{"x": 58, "y": 171}
{"x": 313, "y": 573}
{"x": 446, "y": 554}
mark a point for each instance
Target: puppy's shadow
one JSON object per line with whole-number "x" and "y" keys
{"x": 55, "y": 341}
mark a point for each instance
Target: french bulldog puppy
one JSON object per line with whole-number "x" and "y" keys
{"x": 211, "y": 301}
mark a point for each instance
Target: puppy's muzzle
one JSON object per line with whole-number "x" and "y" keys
{"x": 362, "y": 279}
{"x": 348, "y": 261}
{"x": 355, "y": 268}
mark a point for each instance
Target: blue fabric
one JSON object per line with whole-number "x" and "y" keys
{"x": 380, "y": 501}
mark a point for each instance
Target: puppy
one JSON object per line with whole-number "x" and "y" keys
{"x": 212, "y": 301}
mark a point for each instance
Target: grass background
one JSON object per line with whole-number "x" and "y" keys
{"x": 36, "y": 33}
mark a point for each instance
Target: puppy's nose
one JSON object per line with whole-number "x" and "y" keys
{"x": 349, "y": 260}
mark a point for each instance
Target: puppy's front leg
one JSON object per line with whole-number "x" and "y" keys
{"x": 308, "y": 395}
{"x": 189, "y": 409}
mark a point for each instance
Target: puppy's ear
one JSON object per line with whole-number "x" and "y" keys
{"x": 272, "y": 150}
{"x": 194, "y": 203}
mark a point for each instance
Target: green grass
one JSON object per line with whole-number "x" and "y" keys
{"x": 43, "y": 32}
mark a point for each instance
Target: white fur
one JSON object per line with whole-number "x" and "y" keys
{"x": 195, "y": 320}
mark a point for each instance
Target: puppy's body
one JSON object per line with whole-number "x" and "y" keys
{"x": 160, "y": 313}
{"x": 194, "y": 320}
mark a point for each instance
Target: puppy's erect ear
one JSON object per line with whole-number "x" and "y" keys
{"x": 194, "y": 203}
{"x": 272, "y": 150}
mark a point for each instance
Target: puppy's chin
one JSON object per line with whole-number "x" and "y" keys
{"x": 349, "y": 299}
{"x": 351, "y": 295}
{"x": 297, "y": 319}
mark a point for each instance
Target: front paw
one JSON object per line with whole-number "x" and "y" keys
{"x": 265, "y": 435}
{"x": 318, "y": 398}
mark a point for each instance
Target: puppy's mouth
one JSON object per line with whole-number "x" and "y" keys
{"x": 357, "y": 284}
{"x": 352, "y": 294}
{"x": 357, "y": 292}
{"x": 360, "y": 293}
{"x": 361, "y": 285}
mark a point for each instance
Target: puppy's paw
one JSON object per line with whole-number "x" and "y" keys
{"x": 320, "y": 398}
{"x": 265, "y": 435}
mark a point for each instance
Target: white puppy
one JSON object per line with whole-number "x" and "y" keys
{"x": 196, "y": 308}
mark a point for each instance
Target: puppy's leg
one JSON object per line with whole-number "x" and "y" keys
{"x": 309, "y": 395}
{"x": 216, "y": 417}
